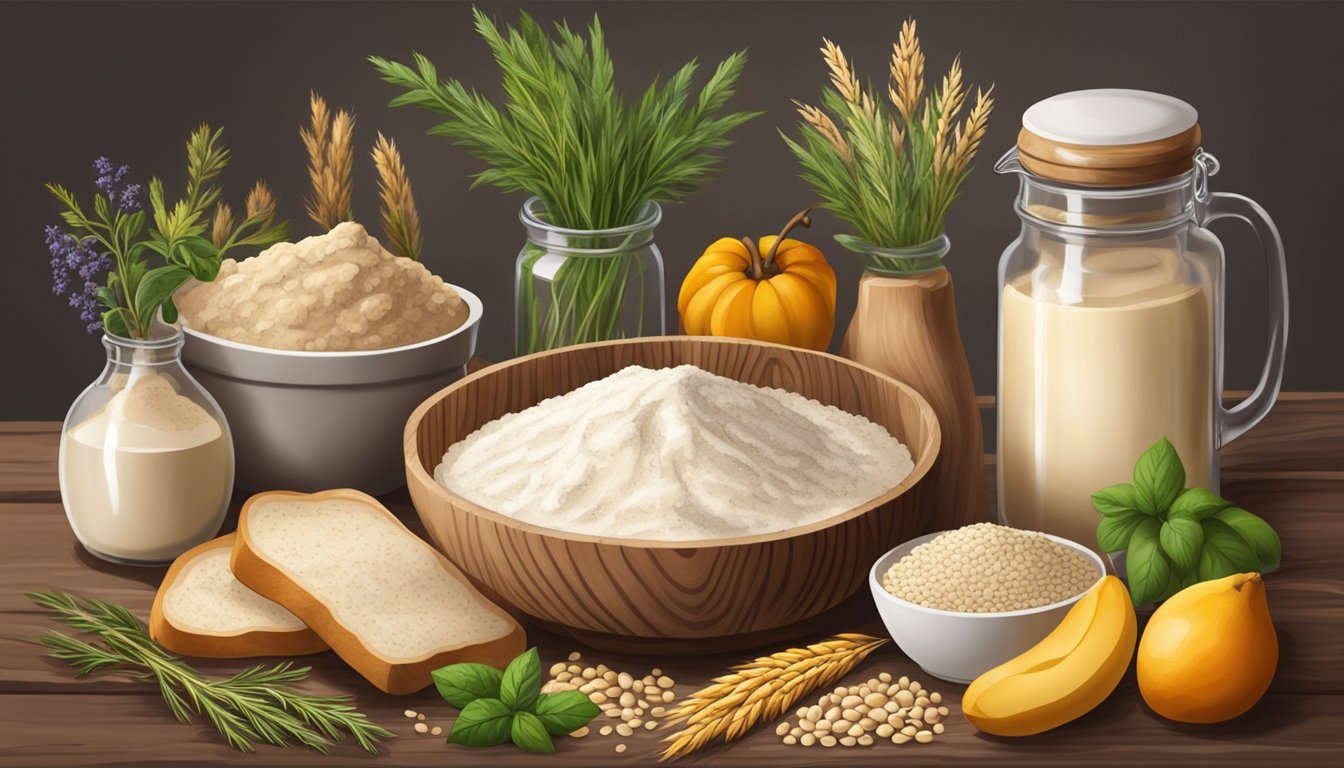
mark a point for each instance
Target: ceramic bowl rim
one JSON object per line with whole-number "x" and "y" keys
{"x": 425, "y": 478}
{"x": 475, "y": 311}
{"x": 880, "y": 592}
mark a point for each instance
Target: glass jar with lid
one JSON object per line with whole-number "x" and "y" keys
{"x": 1111, "y": 304}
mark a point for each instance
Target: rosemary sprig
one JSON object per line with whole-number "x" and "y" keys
{"x": 255, "y": 705}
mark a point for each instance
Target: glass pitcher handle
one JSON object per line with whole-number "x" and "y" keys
{"x": 1233, "y": 422}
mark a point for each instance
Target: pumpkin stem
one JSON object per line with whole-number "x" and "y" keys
{"x": 801, "y": 217}
{"x": 757, "y": 271}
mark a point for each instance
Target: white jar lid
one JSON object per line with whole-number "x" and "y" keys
{"x": 1109, "y": 117}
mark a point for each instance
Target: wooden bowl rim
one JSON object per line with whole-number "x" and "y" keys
{"x": 417, "y": 471}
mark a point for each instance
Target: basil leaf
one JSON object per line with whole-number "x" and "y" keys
{"x": 1159, "y": 477}
{"x": 482, "y": 723}
{"x": 1197, "y": 504}
{"x": 521, "y": 683}
{"x": 461, "y": 684}
{"x": 1114, "y": 532}
{"x": 1148, "y": 569}
{"x": 565, "y": 712}
{"x": 1182, "y": 540}
{"x": 1257, "y": 534}
{"x": 529, "y": 734}
{"x": 156, "y": 287}
{"x": 1116, "y": 500}
{"x": 1225, "y": 553}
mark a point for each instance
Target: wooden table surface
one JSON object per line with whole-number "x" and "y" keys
{"x": 1290, "y": 470}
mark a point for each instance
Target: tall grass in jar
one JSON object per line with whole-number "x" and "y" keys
{"x": 595, "y": 164}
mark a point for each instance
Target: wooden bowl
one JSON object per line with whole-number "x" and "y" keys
{"x": 728, "y": 591}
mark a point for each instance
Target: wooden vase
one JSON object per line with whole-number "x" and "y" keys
{"x": 906, "y": 327}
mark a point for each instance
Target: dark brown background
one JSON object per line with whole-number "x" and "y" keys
{"x": 130, "y": 80}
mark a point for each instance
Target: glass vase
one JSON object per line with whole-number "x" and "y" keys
{"x": 146, "y": 457}
{"x": 576, "y": 286}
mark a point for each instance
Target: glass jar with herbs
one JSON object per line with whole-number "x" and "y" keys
{"x": 596, "y": 166}
{"x": 146, "y": 457}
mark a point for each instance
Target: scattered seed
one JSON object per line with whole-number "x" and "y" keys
{"x": 865, "y": 740}
{"x": 849, "y": 741}
{"x": 580, "y": 733}
{"x": 807, "y": 739}
{"x": 620, "y": 748}
{"x": 411, "y": 713}
{"x": 924, "y": 737}
{"x": 435, "y": 731}
{"x": 782, "y": 729}
{"x": 421, "y": 728}
{"x": 624, "y": 729}
{"x": 828, "y": 741}
{"x": 575, "y": 656}
{"x": 900, "y": 738}
{"x": 790, "y": 740}
{"x": 938, "y": 728}
{"x": 606, "y": 730}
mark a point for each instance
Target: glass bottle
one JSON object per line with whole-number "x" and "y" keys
{"x": 1111, "y": 307}
{"x": 574, "y": 286}
{"x": 146, "y": 458}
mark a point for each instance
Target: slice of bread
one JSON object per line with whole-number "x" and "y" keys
{"x": 202, "y": 610}
{"x": 388, "y": 603}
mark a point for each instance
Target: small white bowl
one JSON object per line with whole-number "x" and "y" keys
{"x": 309, "y": 421}
{"x": 959, "y": 646}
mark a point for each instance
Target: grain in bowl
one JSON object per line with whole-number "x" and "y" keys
{"x": 988, "y": 568}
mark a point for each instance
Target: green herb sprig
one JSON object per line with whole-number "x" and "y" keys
{"x": 134, "y": 294}
{"x": 499, "y": 706}
{"x": 1173, "y": 536}
{"x": 255, "y": 705}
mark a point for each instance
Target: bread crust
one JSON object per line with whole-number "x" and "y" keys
{"x": 261, "y": 642}
{"x": 270, "y": 580}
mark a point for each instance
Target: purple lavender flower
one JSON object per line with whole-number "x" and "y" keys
{"x": 78, "y": 270}
{"x": 125, "y": 198}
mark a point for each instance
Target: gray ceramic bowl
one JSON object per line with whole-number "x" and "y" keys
{"x": 958, "y": 646}
{"x": 309, "y": 421}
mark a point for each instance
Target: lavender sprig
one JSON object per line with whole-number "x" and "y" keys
{"x": 123, "y": 197}
{"x": 78, "y": 271}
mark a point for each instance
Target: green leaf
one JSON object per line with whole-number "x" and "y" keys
{"x": 1114, "y": 532}
{"x": 1197, "y": 504}
{"x": 528, "y": 733}
{"x": 1225, "y": 553}
{"x": 200, "y": 256}
{"x": 482, "y": 723}
{"x": 1159, "y": 477}
{"x": 155, "y": 288}
{"x": 1182, "y": 540}
{"x": 169, "y": 310}
{"x": 521, "y": 683}
{"x": 461, "y": 684}
{"x": 565, "y": 712}
{"x": 1257, "y": 534}
{"x": 1148, "y": 569}
{"x": 1116, "y": 500}
{"x": 114, "y": 322}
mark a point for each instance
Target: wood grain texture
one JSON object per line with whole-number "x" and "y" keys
{"x": 906, "y": 327}
{"x": 719, "y": 589}
{"x": 1121, "y": 165}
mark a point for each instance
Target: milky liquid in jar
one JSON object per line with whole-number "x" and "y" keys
{"x": 147, "y": 476}
{"x": 1093, "y": 384}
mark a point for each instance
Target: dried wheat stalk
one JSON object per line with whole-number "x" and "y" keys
{"x": 222, "y": 225}
{"x": 825, "y": 126}
{"x": 844, "y": 79}
{"x": 401, "y": 221}
{"x": 260, "y": 202}
{"x": 907, "y": 73}
{"x": 762, "y": 690}
{"x": 330, "y": 147}
{"x": 950, "y": 98}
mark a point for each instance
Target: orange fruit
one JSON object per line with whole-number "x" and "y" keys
{"x": 1209, "y": 653}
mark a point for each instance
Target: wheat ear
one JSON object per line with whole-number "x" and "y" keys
{"x": 950, "y": 98}
{"x": 824, "y": 125}
{"x": 971, "y": 131}
{"x": 260, "y": 202}
{"x": 843, "y": 78}
{"x": 762, "y": 690}
{"x": 222, "y": 225}
{"x": 907, "y": 73}
{"x": 340, "y": 167}
{"x": 401, "y": 222}
{"x": 316, "y": 137}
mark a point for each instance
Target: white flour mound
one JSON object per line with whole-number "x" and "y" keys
{"x": 674, "y": 454}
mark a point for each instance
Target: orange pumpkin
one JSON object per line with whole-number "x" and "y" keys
{"x": 787, "y": 296}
